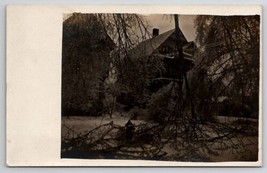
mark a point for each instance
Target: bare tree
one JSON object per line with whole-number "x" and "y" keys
{"x": 228, "y": 59}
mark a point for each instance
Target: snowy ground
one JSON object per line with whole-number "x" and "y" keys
{"x": 85, "y": 124}
{"x": 82, "y": 124}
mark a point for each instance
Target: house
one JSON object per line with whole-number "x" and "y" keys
{"x": 163, "y": 46}
{"x": 86, "y": 51}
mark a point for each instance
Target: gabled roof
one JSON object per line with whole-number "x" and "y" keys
{"x": 147, "y": 47}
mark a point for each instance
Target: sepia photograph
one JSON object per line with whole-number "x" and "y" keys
{"x": 160, "y": 87}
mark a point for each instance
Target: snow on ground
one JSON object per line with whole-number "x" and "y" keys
{"x": 81, "y": 124}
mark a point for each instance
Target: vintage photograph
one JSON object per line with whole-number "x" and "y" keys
{"x": 160, "y": 87}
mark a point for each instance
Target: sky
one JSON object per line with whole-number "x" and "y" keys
{"x": 166, "y": 22}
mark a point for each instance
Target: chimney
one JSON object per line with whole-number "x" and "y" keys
{"x": 155, "y": 32}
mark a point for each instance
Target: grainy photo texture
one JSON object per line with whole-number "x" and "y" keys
{"x": 164, "y": 87}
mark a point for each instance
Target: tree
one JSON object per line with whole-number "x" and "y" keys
{"x": 227, "y": 60}
{"x": 94, "y": 45}
{"x": 85, "y": 64}
{"x": 133, "y": 74}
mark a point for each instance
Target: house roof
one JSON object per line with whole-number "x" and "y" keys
{"x": 147, "y": 47}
